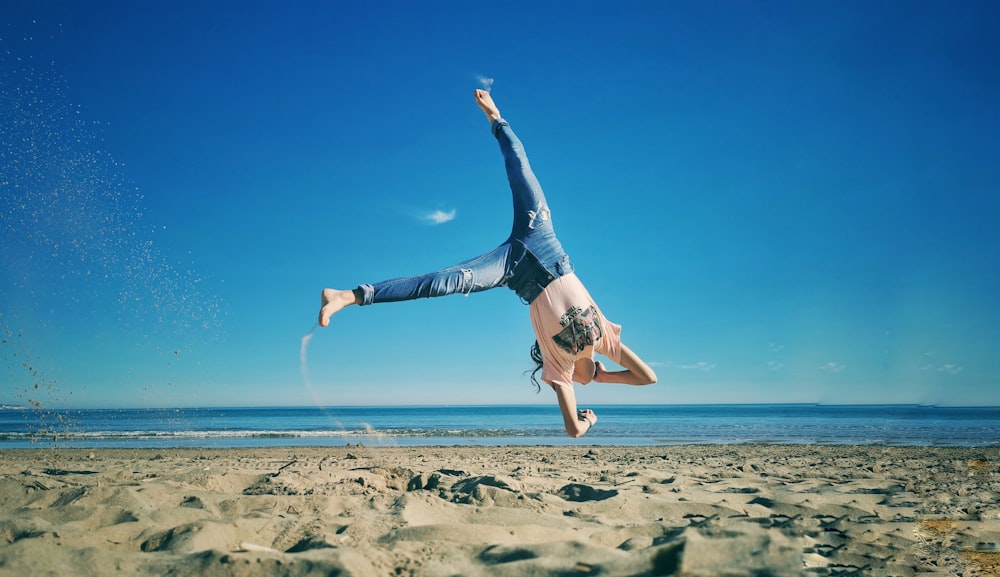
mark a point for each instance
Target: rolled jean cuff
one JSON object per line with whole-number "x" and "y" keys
{"x": 367, "y": 294}
{"x": 496, "y": 124}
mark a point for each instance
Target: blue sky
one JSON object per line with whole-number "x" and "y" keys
{"x": 779, "y": 201}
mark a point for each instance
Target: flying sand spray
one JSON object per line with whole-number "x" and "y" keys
{"x": 303, "y": 365}
{"x": 370, "y": 431}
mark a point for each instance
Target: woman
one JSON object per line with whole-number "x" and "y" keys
{"x": 569, "y": 326}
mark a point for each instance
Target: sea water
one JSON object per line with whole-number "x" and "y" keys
{"x": 630, "y": 425}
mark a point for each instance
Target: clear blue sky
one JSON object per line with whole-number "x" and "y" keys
{"x": 780, "y": 201}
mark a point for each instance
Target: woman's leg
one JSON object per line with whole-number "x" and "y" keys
{"x": 532, "y": 217}
{"x": 474, "y": 275}
{"x": 530, "y": 208}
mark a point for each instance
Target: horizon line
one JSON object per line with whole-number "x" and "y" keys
{"x": 12, "y": 407}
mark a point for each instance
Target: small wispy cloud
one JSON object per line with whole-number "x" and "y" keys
{"x": 439, "y": 216}
{"x": 948, "y": 368}
{"x": 775, "y": 365}
{"x": 833, "y": 367}
{"x": 938, "y": 367}
{"x": 775, "y": 347}
{"x": 485, "y": 82}
{"x": 698, "y": 366}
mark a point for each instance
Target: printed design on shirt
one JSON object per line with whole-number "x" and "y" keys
{"x": 581, "y": 328}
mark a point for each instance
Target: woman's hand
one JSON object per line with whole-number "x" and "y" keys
{"x": 577, "y": 421}
{"x": 587, "y": 415}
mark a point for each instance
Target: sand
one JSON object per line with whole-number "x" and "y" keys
{"x": 501, "y": 511}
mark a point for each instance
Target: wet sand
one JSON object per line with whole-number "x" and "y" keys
{"x": 501, "y": 511}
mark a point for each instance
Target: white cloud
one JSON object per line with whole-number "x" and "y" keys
{"x": 948, "y": 368}
{"x": 775, "y": 347}
{"x": 833, "y": 367}
{"x": 775, "y": 366}
{"x": 439, "y": 216}
{"x": 485, "y": 82}
{"x": 699, "y": 366}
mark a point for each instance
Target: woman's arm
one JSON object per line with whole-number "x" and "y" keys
{"x": 636, "y": 371}
{"x": 577, "y": 422}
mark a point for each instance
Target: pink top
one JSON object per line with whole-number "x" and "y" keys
{"x": 569, "y": 325}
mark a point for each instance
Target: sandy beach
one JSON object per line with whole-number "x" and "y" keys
{"x": 501, "y": 511}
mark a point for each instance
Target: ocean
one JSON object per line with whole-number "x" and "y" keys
{"x": 630, "y": 425}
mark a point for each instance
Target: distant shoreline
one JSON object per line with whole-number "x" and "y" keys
{"x": 503, "y": 425}
{"x": 497, "y": 405}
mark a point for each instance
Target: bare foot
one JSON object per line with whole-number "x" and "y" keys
{"x": 485, "y": 102}
{"x": 332, "y": 301}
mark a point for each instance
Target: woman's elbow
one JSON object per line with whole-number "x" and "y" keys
{"x": 575, "y": 432}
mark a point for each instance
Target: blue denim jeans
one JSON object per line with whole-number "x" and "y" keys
{"x": 526, "y": 262}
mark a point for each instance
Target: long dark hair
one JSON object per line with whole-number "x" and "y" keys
{"x": 536, "y": 356}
